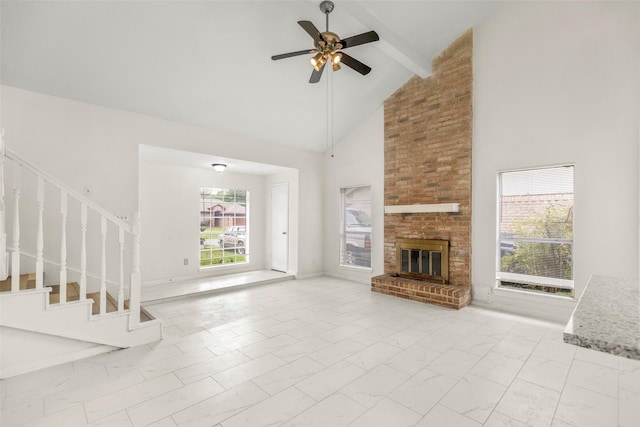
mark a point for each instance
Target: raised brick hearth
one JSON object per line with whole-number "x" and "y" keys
{"x": 428, "y": 128}
{"x": 452, "y": 296}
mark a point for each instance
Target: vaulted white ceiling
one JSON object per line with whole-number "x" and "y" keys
{"x": 207, "y": 63}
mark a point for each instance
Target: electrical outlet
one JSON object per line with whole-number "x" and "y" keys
{"x": 186, "y": 261}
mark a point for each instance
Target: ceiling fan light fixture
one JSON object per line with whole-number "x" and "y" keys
{"x": 218, "y": 167}
{"x": 319, "y": 62}
{"x": 316, "y": 59}
{"x": 336, "y": 58}
{"x": 336, "y": 66}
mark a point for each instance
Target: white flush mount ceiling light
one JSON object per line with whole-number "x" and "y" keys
{"x": 218, "y": 167}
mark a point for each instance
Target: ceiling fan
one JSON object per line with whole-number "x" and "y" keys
{"x": 329, "y": 46}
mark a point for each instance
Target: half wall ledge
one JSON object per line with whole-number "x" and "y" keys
{"x": 445, "y": 295}
{"x": 607, "y": 317}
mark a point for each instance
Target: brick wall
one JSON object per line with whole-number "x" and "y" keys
{"x": 428, "y": 132}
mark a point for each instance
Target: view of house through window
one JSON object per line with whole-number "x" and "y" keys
{"x": 536, "y": 230}
{"x": 223, "y": 226}
{"x": 355, "y": 226}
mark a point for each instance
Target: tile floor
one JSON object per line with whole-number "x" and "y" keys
{"x": 209, "y": 285}
{"x": 327, "y": 352}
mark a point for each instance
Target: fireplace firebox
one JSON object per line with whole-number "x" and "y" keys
{"x": 423, "y": 259}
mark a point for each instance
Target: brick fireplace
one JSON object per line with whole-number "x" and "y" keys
{"x": 428, "y": 133}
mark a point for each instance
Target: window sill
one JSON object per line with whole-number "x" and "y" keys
{"x": 356, "y": 268}
{"x": 228, "y": 265}
{"x": 531, "y": 296}
{"x": 534, "y": 280}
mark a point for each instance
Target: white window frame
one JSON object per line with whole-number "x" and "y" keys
{"x": 524, "y": 278}
{"x": 236, "y": 256}
{"x": 343, "y": 231}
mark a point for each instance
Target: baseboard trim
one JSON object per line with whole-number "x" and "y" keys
{"x": 309, "y": 276}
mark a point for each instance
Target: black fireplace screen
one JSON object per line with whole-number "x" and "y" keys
{"x": 423, "y": 259}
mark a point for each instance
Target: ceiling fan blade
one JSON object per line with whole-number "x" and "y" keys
{"x": 363, "y": 38}
{"x": 315, "y": 76}
{"x": 290, "y": 54}
{"x": 311, "y": 30}
{"x": 355, "y": 64}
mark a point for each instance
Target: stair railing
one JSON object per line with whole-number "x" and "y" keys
{"x": 20, "y": 167}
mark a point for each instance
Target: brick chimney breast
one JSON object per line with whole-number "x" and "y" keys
{"x": 428, "y": 133}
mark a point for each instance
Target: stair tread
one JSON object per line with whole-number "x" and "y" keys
{"x": 27, "y": 281}
{"x": 112, "y": 303}
{"x": 73, "y": 293}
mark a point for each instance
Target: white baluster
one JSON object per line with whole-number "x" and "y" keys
{"x": 15, "y": 255}
{"x": 63, "y": 248}
{"x": 83, "y": 251}
{"x": 134, "y": 291}
{"x": 121, "y": 290}
{"x": 4, "y": 261}
{"x": 40, "y": 237}
{"x": 103, "y": 270}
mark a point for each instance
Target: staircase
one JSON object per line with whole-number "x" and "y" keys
{"x": 69, "y": 275}
{"x": 28, "y": 281}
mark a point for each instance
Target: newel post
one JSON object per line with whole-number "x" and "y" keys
{"x": 134, "y": 292}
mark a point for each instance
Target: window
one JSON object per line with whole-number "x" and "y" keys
{"x": 535, "y": 231}
{"x": 355, "y": 226}
{"x": 224, "y": 237}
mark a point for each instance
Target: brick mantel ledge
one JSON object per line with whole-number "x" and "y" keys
{"x": 452, "y": 296}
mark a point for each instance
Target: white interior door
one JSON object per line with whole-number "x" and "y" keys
{"x": 280, "y": 227}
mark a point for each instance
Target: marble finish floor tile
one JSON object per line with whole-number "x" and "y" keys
{"x": 336, "y": 410}
{"x": 545, "y": 373}
{"x": 221, "y": 406}
{"x": 329, "y": 352}
{"x": 273, "y": 411}
{"x": 169, "y": 403}
{"x": 423, "y": 391}
{"x": 443, "y": 416}
{"x": 474, "y": 397}
{"x": 529, "y": 403}
{"x": 387, "y": 413}
{"x": 584, "y": 408}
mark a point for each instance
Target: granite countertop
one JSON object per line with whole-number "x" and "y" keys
{"x": 607, "y": 317}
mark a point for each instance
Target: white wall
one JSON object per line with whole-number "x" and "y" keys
{"x": 554, "y": 83}
{"x": 358, "y": 160}
{"x": 170, "y": 214}
{"x": 85, "y": 145}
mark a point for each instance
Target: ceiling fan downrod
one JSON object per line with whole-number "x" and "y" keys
{"x": 326, "y": 7}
